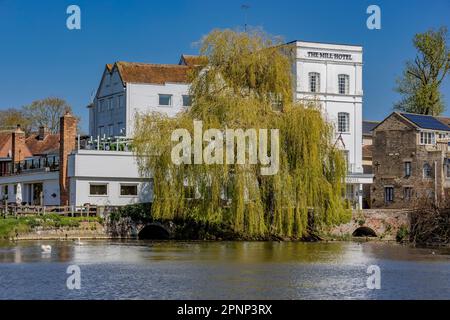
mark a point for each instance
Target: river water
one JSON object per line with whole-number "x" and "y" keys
{"x": 222, "y": 270}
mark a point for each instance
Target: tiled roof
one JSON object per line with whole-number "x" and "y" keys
{"x": 367, "y": 126}
{"x": 426, "y": 121}
{"x": 152, "y": 73}
{"x": 5, "y": 140}
{"x": 193, "y": 61}
{"x": 49, "y": 145}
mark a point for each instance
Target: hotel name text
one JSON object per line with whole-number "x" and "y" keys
{"x": 327, "y": 55}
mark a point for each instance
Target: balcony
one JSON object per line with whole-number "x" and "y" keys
{"x": 36, "y": 164}
{"x": 118, "y": 143}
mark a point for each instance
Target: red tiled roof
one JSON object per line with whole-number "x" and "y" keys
{"x": 5, "y": 144}
{"x": 193, "y": 61}
{"x": 50, "y": 144}
{"x": 152, "y": 73}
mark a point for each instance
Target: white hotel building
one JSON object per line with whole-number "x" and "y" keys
{"x": 329, "y": 74}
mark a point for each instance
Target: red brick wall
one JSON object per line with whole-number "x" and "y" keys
{"x": 67, "y": 134}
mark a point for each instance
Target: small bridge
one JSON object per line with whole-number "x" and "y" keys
{"x": 382, "y": 223}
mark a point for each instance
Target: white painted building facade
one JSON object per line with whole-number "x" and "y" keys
{"x": 331, "y": 76}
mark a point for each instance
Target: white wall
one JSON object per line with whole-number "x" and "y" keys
{"x": 144, "y": 98}
{"x": 106, "y": 167}
{"x": 49, "y": 180}
{"x": 329, "y": 67}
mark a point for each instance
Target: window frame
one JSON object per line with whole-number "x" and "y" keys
{"x": 427, "y": 138}
{"x": 160, "y": 95}
{"x": 346, "y": 124}
{"x": 388, "y": 196}
{"x": 430, "y": 173}
{"x": 346, "y": 83}
{"x": 407, "y": 166}
{"x": 188, "y": 96}
{"x": 407, "y": 193}
{"x": 316, "y": 76}
{"x": 129, "y": 185}
{"x": 98, "y": 184}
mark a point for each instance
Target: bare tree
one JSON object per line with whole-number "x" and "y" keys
{"x": 46, "y": 112}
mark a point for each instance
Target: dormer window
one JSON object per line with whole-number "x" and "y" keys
{"x": 427, "y": 138}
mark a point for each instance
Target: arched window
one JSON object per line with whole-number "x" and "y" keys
{"x": 314, "y": 82}
{"x": 427, "y": 170}
{"x": 343, "y": 83}
{"x": 343, "y": 122}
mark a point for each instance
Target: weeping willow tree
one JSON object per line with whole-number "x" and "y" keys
{"x": 246, "y": 83}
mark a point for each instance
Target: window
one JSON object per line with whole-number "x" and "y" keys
{"x": 407, "y": 193}
{"x": 407, "y": 168}
{"x": 128, "y": 190}
{"x": 314, "y": 82}
{"x": 343, "y": 83}
{"x": 101, "y": 131}
{"x": 98, "y": 189}
{"x": 343, "y": 122}
{"x": 187, "y": 101}
{"x": 165, "y": 99}
{"x": 426, "y": 170}
{"x": 388, "y": 194}
{"x": 427, "y": 138}
{"x": 110, "y": 104}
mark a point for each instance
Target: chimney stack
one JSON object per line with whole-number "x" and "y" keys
{"x": 18, "y": 147}
{"x": 43, "y": 132}
{"x": 67, "y": 143}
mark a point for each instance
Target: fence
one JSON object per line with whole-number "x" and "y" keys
{"x": 69, "y": 211}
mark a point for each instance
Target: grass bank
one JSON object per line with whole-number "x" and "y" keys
{"x": 11, "y": 227}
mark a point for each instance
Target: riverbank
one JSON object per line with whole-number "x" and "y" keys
{"x": 52, "y": 226}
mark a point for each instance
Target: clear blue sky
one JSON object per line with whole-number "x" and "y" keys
{"x": 40, "y": 57}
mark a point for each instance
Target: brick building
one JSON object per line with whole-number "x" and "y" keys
{"x": 410, "y": 157}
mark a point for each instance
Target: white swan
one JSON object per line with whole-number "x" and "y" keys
{"x": 46, "y": 248}
{"x": 78, "y": 242}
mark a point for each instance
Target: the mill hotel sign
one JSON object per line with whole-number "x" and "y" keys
{"x": 329, "y": 55}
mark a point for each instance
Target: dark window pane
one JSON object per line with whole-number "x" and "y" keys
{"x": 165, "y": 99}
{"x": 187, "y": 101}
{"x": 98, "y": 189}
{"x": 128, "y": 190}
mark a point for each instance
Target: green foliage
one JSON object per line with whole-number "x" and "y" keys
{"x": 402, "y": 233}
{"x": 422, "y": 77}
{"x": 247, "y": 84}
{"x": 140, "y": 212}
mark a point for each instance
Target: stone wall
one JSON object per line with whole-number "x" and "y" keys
{"x": 395, "y": 143}
{"x": 384, "y": 222}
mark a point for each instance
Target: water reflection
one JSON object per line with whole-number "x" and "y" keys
{"x": 222, "y": 270}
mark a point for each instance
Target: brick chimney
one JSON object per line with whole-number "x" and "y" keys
{"x": 67, "y": 143}
{"x": 18, "y": 147}
{"x": 43, "y": 132}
